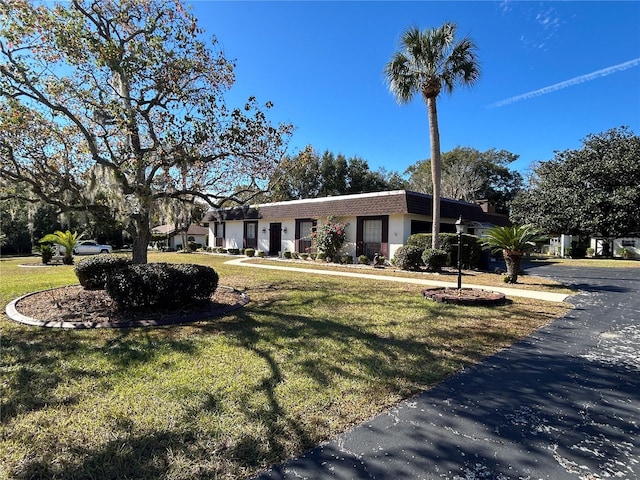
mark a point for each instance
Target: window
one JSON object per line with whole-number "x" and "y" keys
{"x": 218, "y": 233}
{"x": 372, "y": 231}
{"x": 372, "y": 237}
{"x": 304, "y": 242}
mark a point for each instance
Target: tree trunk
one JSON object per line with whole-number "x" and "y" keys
{"x": 512, "y": 260}
{"x": 436, "y": 170}
{"x": 140, "y": 231}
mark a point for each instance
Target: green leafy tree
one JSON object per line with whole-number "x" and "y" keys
{"x": 118, "y": 106}
{"x": 468, "y": 174}
{"x": 14, "y": 218}
{"x": 67, "y": 240}
{"x": 428, "y": 62}
{"x": 513, "y": 242}
{"x": 593, "y": 190}
{"x": 45, "y": 219}
{"x": 309, "y": 176}
{"x": 334, "y": 172}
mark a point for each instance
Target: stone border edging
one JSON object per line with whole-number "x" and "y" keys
{"x": 17, "y": 317}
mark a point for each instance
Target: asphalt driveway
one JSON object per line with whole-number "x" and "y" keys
{"x": 562, "y": 404}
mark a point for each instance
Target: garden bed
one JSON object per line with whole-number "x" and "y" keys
{"x": 464, "y": 296}
{"x": 74, "y": 307}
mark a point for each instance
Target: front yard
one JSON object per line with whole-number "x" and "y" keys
{"x": 306, "y": 359}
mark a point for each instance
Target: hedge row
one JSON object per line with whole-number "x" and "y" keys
{"x": 418, "y": 253}
{"x": 471, "y": 247}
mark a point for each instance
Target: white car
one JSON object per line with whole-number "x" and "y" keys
{"x": 91, "y": 247}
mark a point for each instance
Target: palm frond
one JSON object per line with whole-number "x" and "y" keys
{"x": 514, "y": 238}
{"x": 429, "y": 60}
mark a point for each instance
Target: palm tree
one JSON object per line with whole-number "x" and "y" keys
{"x": 427, "y": 62}
{"x": 513, "y": 241}
{"x": 67, "y": 240}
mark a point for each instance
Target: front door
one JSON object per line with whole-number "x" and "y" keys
{"x": 275, "y": 238}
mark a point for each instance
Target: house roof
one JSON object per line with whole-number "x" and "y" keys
{"x": 364, "y": 204}
{"x": 169, "y": 229}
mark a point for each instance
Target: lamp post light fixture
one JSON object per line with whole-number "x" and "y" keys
{"x": 459, "y": 230}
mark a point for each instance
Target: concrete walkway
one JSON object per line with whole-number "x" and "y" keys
{"x": 509, "y": 292}
{"x": 563, "y": 403}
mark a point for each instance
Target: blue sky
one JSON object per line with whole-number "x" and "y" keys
{"x": 552, "y": 73}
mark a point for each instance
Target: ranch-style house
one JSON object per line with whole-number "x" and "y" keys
{"x": 378, "y": 223}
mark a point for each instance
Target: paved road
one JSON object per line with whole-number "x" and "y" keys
{"x": 562, "y": 404}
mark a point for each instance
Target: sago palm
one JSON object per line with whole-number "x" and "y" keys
{"x": 428, "y": 62}
{"x": 513, "y": 242}
{"x": 67, "y": 240}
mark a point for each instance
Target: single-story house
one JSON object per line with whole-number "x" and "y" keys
{"x": 378, "y": 223}
{"x": 174, "y": 237}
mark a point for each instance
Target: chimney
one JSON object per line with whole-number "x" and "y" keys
{"x": 486, "y": 206}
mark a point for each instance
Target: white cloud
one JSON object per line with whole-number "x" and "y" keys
{"x": 569, "y": 83}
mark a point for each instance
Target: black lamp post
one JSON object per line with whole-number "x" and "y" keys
{"x": 459, "y": 229}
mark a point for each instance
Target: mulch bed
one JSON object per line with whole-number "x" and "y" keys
{"x": 465, "y": 296}
{"x": 75, "y": 307}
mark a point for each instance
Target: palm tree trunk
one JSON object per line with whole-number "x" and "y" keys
{"x": 512, "y": 260}
{"x": 436, "y": 170}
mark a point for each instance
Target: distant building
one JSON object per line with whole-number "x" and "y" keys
{"x": 169, "y": 237}
{"x": 379, "y": 223}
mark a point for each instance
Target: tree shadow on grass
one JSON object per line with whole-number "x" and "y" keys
{"x": 326, "y": 349}
{"x": 38, "y": 361}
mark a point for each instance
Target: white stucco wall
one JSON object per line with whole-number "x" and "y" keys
{"x": 399, "y": 231}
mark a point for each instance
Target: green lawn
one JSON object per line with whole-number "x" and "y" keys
{"x": 588, "y": 262}
{"x": 309, "y": 357}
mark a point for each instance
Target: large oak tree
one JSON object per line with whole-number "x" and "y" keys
{"x": 119, "y": 105}
{"x": 468, "y": 174}
{"x": 594, "y": 190}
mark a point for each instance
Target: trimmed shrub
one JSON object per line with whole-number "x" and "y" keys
{"x": 321, "y": 256}
{"x": 363, "y": 260}
{"x": 233, "y": 251}
{"x": 47, "y": 253}
{"x": 408, "y": 257}
{"x": 422, "y": 240}
{"x": 154, "y": 285}
{"x": 286, "y": 254}
{"x": 93, "y": 272}
{"x": 434, "y": 260}
{"x": 304, "y": 256}
{"x": 346, "y": 259}
{"x": 471, "y": 250}
{"x": 261, "y": 253}
{"x": 249, "y": 252}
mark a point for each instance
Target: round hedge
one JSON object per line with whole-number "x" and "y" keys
{"x": 408, "y": 257}
{"x": 434, "y": 260}
{"x": 92, "y": 272}
{"x": 164, "y": 285}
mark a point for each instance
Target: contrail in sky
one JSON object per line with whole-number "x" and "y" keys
{"x": 569, "y": 83}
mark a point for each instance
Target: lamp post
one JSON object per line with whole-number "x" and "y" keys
{"x": 459, "y": 229}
